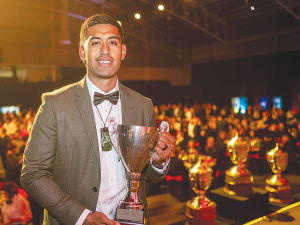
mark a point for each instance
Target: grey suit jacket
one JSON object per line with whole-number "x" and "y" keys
{"x": 61, "y": 167}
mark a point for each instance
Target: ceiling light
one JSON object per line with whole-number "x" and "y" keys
{"x": 137, "y": 16}
{"x": 161, "y": 7}
{"x": 252, "y": 8}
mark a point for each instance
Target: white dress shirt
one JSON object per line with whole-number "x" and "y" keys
{"x": 113, "y": 176}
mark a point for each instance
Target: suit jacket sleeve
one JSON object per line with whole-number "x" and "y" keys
{"x": 151, "y": 174}
{"x": 37, "y": 170}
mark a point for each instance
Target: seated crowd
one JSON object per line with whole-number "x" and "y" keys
{"x": 203, "y": 130}
{"x": 199, "y": 130}
{"x": 14, "y": 132}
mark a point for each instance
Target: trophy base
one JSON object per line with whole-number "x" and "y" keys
{"x": 125, "y": 222}
{"x": 128, "y": 216}
{"x": 240, "y": 190}
{"x": 238, "y": 181}
{"x": 202, "y": 215}
{"x": 279, "y": 189}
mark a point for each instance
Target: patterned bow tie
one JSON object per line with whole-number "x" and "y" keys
{"x": 113, "y": 98}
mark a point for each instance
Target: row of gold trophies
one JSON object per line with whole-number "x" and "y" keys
{"x": 134, "y": 144}
{"x": 238, "y": 181}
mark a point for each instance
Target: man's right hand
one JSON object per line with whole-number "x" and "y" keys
{"x": 98, "y": 218}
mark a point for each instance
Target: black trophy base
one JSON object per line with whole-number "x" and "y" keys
{"x": 130, "y": 217}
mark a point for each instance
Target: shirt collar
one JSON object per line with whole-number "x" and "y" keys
{"x": 93, "y": 88}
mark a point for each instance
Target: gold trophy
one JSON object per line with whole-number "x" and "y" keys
{"x": 238, "y": 180}
{"x": 278, "y": 187}
{"x": 200, "y": 210}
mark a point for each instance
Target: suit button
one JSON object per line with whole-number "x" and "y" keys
{"x": 95, "y": 189}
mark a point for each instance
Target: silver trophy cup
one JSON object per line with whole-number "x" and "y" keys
{"x": 134, "y": 145}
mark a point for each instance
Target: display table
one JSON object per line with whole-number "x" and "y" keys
{"x": 238, "y": 208}
{"x": 165, "y": 209}
{"x": 286, "y": 216}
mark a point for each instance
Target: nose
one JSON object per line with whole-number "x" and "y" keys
{"x": 105, "y": 50}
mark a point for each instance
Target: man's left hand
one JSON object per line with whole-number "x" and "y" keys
{"x": 165, "y": 145}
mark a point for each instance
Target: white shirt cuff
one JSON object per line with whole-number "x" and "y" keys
{"x": 161, "y": 171}
{"x": 83, "y": 216}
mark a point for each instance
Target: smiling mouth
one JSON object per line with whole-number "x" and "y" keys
{"x": 104, "y": 61}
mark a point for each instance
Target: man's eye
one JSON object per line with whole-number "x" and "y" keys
{"x": 96, "y": 43}
{"x": 113, "y": 42}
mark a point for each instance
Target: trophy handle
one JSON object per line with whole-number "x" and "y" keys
{"x": 113, "y": 135}
{"x": 164, "y": 127}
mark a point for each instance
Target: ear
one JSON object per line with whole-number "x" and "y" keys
{"x": 82, "y": 54}
{"x": 124, "y": 51}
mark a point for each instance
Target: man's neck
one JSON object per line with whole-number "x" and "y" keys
{"x": 105, "y": 85}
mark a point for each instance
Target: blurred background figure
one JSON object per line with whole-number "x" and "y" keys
{"x": 16, "y": 209}
{"x": 177, "y": 178}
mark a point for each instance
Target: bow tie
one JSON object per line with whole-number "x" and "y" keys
{"x": 177, "y": 178}
{"x": 113, "y": 98}
{"x": 254, "y": 156}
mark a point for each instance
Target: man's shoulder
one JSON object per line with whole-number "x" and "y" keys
{"x": 133, "y": 94}
{"x": 63, "y": 92}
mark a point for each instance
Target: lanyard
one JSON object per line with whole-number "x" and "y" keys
{"x": 107, "y": 115}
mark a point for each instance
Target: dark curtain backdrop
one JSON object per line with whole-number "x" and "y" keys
{"x": 254, "y": 77}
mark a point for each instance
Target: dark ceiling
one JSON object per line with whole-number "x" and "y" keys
{"x": 186, "y": 24}
{"x": 196, "y": 31}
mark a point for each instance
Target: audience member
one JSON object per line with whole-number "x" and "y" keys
{"x": 4, "y": 140}
{"x": 177, "y": 177}
{"x": 16, "y": 208}
{"x": 14, "y": 159}
{"x": 288, "y": 146}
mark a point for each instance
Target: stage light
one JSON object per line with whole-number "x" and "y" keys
{"x": 137, "y": 16}
{"x": 252, "y": 8}
{"x": 160, "y": 7}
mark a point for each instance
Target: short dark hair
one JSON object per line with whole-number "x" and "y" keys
{"x": 11, "y": 188}
{"x": 99, "y": 19}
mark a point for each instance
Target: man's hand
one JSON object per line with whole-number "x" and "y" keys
{"x": 98, "y": 218}
{"x": 165, "y": 145}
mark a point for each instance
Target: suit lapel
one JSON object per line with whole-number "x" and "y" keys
{"x": 85, "y": 108}
{"x": 127, "y": 106}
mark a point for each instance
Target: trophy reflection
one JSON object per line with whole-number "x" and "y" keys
{"x": 278, "y": 187}
{"x": 200, "y": 210}
{"x": 133, "y": 145}
{"x": 238, "y": 180}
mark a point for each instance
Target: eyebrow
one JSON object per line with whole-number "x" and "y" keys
{"x": 111, "y": 37}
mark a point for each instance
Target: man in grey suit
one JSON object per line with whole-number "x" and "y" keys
{"x": 68, "y": 167}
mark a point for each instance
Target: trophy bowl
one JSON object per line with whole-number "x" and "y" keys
{"x": 238, "y": 179}
{"x": 278, "y": 187}
{"x": 134, "y": 145}
{"x": 200, "y": 210}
